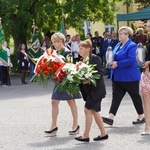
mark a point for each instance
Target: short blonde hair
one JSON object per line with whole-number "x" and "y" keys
{"x": 58, "y": 36}
{"x": 126, "y": 30}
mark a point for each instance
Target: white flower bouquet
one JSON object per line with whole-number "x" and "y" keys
{"x": 75, "y": 75}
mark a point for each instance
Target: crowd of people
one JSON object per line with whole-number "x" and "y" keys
{"x": 124, "y": 73}
{"x": 25, "y": 64}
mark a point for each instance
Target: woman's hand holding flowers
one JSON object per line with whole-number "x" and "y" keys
{"x": 85, "y": 81}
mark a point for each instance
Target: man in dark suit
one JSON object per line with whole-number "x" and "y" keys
{"x": 96, "y": 43}
{"x": 112, "y": 43}
{"x": 103, "y": 47}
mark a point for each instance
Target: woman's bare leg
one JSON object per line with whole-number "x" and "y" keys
{"x": 146, "y": 105}
{"x": 55, "y": 111}
{"x": 99, "y": 122}
{"x": 74, "y": 112}
{"x": 88, "y": 122}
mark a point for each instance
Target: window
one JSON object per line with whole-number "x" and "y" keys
{"x": 109, "y": 28}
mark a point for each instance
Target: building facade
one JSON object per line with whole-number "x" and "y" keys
{"x": 100, "y": 26}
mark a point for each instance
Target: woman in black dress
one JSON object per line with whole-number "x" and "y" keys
{"x": 92, "y": 95}
{"x": 23, "y": 61}
{"x": 58, "y": 40}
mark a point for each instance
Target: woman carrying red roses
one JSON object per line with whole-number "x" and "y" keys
{"x": 58, "y": 40}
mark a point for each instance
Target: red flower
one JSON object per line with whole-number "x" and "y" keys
{"x": 60, "y": 79}
{"x": 50, "y": 69}
{"x": 61, "y": 75}
{"x": 58, "y": 64}
{"x": 45, "y": 66}
{"x": 52, "y": 64}
{"x": 56, "y": 78}
{"x": 40, "y": 66}
{"x": 55, "y": 67}
{"x": 65, "y": 73}
{"x": 38, "y": 71}
{"x": 46, "y": 73}
{"x": 44, "y": 60}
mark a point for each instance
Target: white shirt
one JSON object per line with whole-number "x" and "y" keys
{"x": 8, "y": 54}
{"x": 75, "y": 48}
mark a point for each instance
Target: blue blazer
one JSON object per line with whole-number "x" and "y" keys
{"x": 127, "y": 69}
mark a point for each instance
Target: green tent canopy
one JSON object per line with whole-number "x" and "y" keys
{"x": 143, "y": 14}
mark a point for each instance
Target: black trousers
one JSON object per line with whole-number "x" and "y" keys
{"x": 119, "y": 91}
{"x": 5, "y": 75}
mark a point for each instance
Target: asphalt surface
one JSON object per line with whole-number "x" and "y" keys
{"x": 25, "y": 113}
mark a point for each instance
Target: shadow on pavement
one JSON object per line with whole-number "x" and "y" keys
{"x": 61, "y": 142}
{"x": 18, "y": 90}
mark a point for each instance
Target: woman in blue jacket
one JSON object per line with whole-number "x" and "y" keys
{"x": 125, "y": 75}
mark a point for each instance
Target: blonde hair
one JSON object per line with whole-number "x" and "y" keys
{"x": 87, "y": 44}
{"x": 126, "y": 30}
{"x": 58, "y": 36}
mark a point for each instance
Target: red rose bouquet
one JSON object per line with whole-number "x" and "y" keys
{"x": 48, "y": 66}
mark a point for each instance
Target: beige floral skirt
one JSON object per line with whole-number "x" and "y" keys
{"x": 145, "y": 81}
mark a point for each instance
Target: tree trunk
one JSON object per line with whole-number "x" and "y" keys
{"x": 127, "y": 9}
{"x": 19, "y": 40}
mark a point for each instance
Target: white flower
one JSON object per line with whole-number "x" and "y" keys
{"x": 70, "y": 77}
{"x": 81, "y": 65}
{"x": 88, "y": 75}
{"x": 70, "y": 67}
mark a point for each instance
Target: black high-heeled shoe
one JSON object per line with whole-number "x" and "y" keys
{"x": 52, "y": 132}
{"x": 74, "y": 132}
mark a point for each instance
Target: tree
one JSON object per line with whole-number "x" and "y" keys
{"x": 17, "y": 15}
{"x": 142, "y": 3}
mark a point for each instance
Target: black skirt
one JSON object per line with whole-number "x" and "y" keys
{"x": 91, "y": 102}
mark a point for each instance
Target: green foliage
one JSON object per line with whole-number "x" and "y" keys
{"x": 14, "y": 59}
{"x": 132, "y": 26}
{"x": 17, "y": 15}
{"x": 142, "y": 3}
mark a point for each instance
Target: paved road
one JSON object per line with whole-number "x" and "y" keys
{"x": 25, "y": 114}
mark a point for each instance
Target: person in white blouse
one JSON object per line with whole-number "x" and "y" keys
{"x": 5, "y": 67}
{"x": 75, "y": 49}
